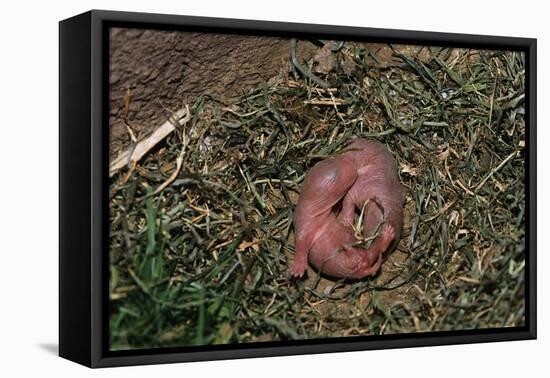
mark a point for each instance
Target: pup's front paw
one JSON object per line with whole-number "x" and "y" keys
{"x": 388, "y": 233}
{"x": 298, "y": 268}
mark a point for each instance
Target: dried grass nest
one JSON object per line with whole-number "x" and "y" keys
{"x": 205, "y": 259}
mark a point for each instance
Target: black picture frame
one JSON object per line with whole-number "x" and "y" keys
{"x": 83, "y": 181}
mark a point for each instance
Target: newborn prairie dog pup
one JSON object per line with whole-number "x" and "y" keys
{"x": 363, "y": 178}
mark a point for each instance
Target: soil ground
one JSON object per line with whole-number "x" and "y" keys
{"x": 160, "y": 70}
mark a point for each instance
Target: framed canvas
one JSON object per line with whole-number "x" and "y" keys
{"x": 234, "y": 188}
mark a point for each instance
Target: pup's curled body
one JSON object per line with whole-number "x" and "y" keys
{"x": 363, "y": 176}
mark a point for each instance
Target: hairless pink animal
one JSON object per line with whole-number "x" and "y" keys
{"x": 363, "y": 176}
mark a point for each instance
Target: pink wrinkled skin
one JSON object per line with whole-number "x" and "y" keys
{"x": 364, "y": 173}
